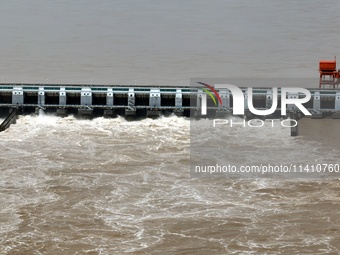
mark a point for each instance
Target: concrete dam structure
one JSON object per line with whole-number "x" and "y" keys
{"x": 149, "y": 101}
{"x": 95, "y": 99}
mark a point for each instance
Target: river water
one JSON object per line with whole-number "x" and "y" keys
{"x": 112, "y": 186}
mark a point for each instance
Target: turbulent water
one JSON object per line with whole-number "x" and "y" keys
{"x": 112, "y": 186}
{"x": 100, "y": 186}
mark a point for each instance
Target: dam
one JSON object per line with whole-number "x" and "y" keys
{"x": 149, "y": 101}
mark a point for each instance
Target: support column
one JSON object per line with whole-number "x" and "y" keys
{"x": 40, "y": 110}
{"x": 18, "y": 96}
{"x": 201, "y": 104}
{"x": 178, "y": 103}
{"x": 154, "y": 103}
{"x": 291, "y": 107}
{"x": 316, "y": 101}
{"x": 109, "y": 97}
{"x": 131, "y": 109}
{"x": 86, "y": 97}
{"x": 223, "y": 110}
{"x": 62, "y": 97}
{"x": 225, "y": 96}
{"x": 336, "y": 115}
{"x": 269, "y": 99}
{"x": 85, "y": 101}
{"x": 247, "y": 113}
{"x": 246, "y": 101}
{"x": 317, "y": 106}
{"x": 62, "y": 102}
{"x": 155, "y": 98}
{"x": 294, "y": 131}
{"x": 109, "y": 102}
{"x": 41, "y": 96}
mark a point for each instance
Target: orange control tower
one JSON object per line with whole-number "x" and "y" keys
{"x": 329, "y": 76}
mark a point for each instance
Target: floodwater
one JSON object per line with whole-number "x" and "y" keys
{"x": 112, "y": 186}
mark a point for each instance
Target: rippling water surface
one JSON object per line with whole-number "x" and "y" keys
{"x": 111, "y": 186}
